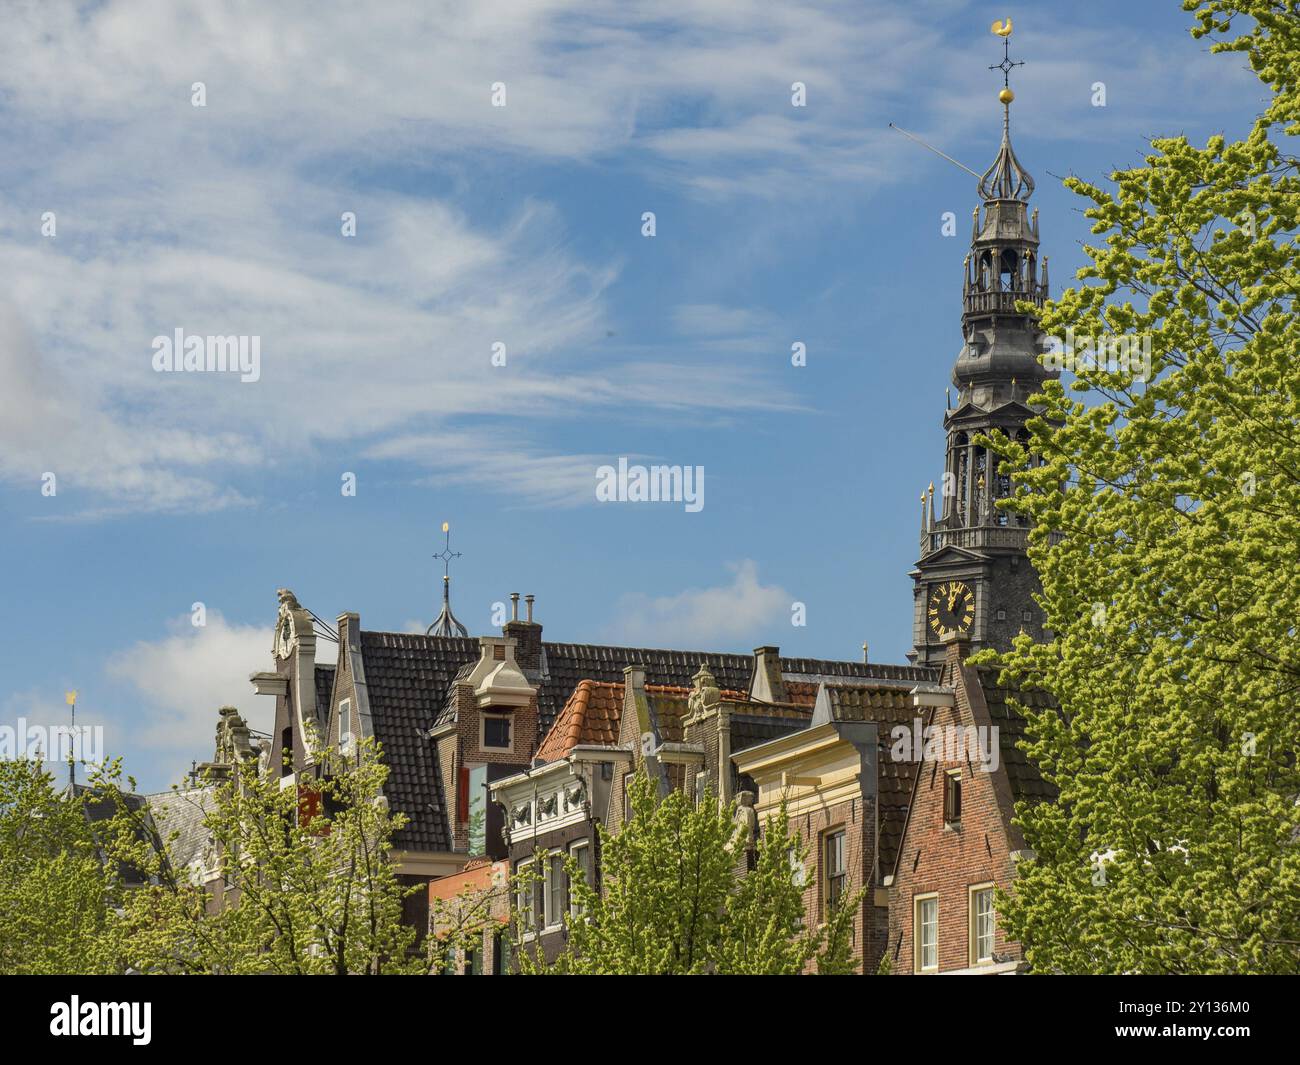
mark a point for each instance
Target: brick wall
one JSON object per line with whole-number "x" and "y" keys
{"x": 857, "y": 820}
{"x": 949, "y": 859}
{"x": 460, "y": 747}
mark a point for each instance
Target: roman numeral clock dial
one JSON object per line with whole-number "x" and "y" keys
{"x": 951, "y": 608}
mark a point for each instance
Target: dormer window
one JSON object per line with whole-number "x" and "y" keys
{"x": 495, "y": 732}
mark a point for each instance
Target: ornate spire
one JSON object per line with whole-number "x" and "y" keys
{"x": 1006, "y": 179}
{"x": 446, "y": 624}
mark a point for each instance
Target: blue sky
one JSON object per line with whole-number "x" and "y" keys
{"x": 519, "y": 224}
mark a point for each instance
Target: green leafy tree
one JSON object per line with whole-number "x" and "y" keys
{"x": 56, "y": 894}
{"x": 1167, "y": 536}
{"x": 309, "y": 887}
{"x": 675, "y": 899}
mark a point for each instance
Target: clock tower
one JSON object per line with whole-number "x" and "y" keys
{"x": 974, "y": 575}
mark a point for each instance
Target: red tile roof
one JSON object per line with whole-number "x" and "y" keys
{"x": 593, "y": 712}
{"x": 476, "y": 876}
{"x": 590, "y": 716}
{"x": 801, "y": 692}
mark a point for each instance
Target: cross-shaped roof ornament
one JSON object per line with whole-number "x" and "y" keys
{"x": 446, "y": 554}
{"x": 1003, "y": 30}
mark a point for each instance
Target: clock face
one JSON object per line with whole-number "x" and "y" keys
{"x": 951, "y": 608}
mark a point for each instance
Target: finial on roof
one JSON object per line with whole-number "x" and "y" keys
{"x": 445, "y": 624}
{"x": 1006, "y": 179}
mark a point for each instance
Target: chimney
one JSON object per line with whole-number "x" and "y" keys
{"x": 527, "y": 635}
{"x": 768, "y": 684}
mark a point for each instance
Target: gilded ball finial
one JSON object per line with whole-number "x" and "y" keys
{"x": 1006, "y": 96}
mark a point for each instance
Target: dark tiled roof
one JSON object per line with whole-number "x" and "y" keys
{"x": 181, "y": 814}
{"x": 1026, "y": 783}
{"x": 894, "y": 794}
{"x": 887, "y": 707}
{"x": 820, "y": 667}
{"x": 324, "y": 691}
{"x": 749, "y": 730}
{"x": 407, "y": 679}
{"x": 668, "y": 708}
{"x": 852, "y": 702}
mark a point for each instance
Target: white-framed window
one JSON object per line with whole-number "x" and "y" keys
{"x": 531, "y": 895}
{"x": 494, "y": 732}
{"x": 925, "y": 933}
{"x": 527, "y": 895}
{"x": 983, "y": 924}
{"x": 581, "y": 852}
{"x": 798, "y": 871}
{"x": 556, "y": 890}
{"x": 345, "y": 724}
{"x": 835, "y": 868}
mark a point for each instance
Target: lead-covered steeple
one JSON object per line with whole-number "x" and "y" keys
{"x": 971, "y": 539}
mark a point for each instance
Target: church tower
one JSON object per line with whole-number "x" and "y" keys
{"x": 974, "y": 575}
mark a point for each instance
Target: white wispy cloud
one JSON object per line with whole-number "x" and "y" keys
{"x": 183, "y": 678}
{"x": 225, "y": 219}
{"x": 715, "y": 616}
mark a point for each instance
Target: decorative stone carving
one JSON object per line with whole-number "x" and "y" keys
{"x": 705, "y": 695}
{"x": 284, "y": 623}
{"x": 747, "y": 816}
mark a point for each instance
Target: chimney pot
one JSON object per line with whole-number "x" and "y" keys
{"x": 514, "y": 606}
{"x": 528, "y": 599}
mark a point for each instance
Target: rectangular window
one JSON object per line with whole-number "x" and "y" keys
{"x": 462, "y": 794}
{"x": 835, "y": 871}
{"x": 524, "y": 895}
{"x": 582, "y": 856}
{"x": 345, "y": 724}
{"x": 627, "y": 797}
{"x": 501, "y": 954}
{"x": 983, "y": 925}
{"x": 952, "y": 797}
{"x": 477, "y": 806}
{"x": 556, "y": 890}
{"x": 496, "y": 732}
{"x": 925, "y": 930}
